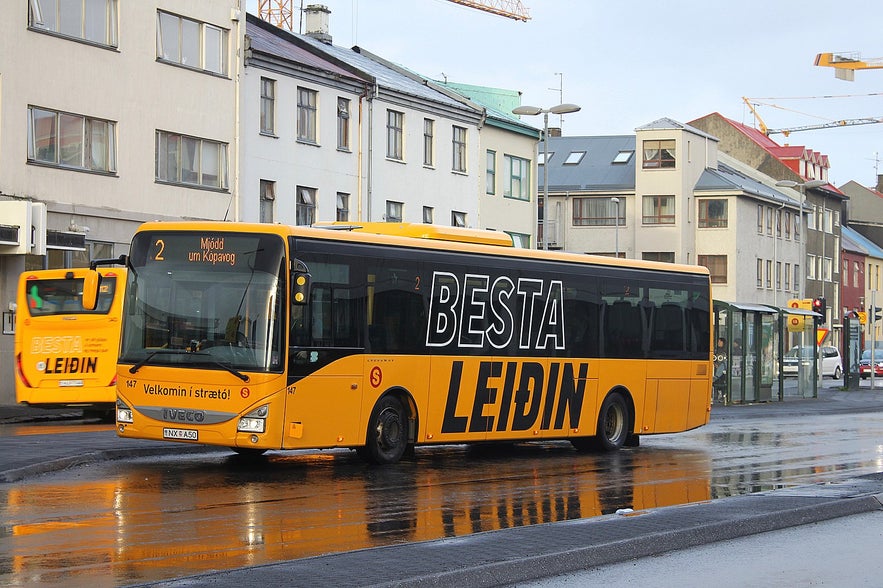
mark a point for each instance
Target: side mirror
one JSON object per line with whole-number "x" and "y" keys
{"x": 91, "y": 283}
{"x": 300, "y": 287}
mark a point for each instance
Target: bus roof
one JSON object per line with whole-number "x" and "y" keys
{"x": 401, "y": 239}
{"x": 423, "y": 231}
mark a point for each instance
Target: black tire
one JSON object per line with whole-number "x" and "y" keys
{"x": 837, "y": 373}
{"x": 612, "y": 433}
{"x": 613, "y": 422}
{"x": 387, "y": 436}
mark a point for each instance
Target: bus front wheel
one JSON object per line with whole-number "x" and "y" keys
{"x": 387, "y": 432}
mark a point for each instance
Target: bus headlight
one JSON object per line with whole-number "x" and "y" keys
{"x": 255, "y": 421}
{"x": 124, "y": 413}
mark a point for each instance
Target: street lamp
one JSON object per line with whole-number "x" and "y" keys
{"x": 802, "y": 188}
{"x": 533, "y": 111}
{"x": 615, "y": 200}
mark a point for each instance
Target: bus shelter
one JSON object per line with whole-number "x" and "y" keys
{"x": 803, "y": 334}
{"x": 748, "y": 351}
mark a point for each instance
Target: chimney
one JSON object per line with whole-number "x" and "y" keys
{"x": 554, "y": 131}
{"x": 879, "y": 182}
{"x": 318, "y": 17}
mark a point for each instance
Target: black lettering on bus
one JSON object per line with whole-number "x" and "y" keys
{"x": 551, "y": 389}
{"x": 484, "y": 395}
{"x": 528, "y": 397}
{"x": 506, "y": 400}
{"x": 570, "y": 397}
{"x": 453, "y": 423}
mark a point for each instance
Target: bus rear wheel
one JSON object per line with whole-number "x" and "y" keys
{"x": 387, "y": 432}
{"x": 613, "y": 426}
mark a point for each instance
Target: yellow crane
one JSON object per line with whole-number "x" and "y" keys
{"x": 280, "y": 12}
{"x": 787, "y": 131}
{"x": 845, "y": 64}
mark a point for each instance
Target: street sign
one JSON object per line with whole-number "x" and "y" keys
{"x": 820, "y": 335}
{"x": 797, "y": 322}
{"x": 862, "y": 317}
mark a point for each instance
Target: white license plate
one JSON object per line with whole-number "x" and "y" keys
{"x": 70, "y": 383}
{"x": 187, "y": 434}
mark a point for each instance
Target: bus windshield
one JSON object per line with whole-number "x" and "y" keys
{"x": 211, "y": 301}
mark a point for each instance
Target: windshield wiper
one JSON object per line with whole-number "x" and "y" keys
{"x": 146, "y": 360}
{"x": 150, "y": 356}
{"x": 232, "y": 370}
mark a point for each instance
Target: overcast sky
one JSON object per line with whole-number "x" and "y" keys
{"x": 631, "y": 62}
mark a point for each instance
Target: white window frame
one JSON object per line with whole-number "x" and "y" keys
{"x": 193, "y": 158}
{"x": 55, "y": 17}
{"x": 197, "y": 45}
{"x": 71, "y": 141}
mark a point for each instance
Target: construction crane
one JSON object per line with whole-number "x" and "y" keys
{"x": 787, "y": 131}
{"x": 513, "y": 9}
{"x": 281, "y": 14}
{"x": 845, "y": 64}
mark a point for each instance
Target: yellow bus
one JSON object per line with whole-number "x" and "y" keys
{"x": 380, "y": 337}
{"x": 65, "y": 355}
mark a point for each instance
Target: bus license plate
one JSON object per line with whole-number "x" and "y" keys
{"x": 186, "y": 434}
{"x": 70, "y": 383}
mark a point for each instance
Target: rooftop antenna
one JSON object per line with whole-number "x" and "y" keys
{"x": 560, "y": 90}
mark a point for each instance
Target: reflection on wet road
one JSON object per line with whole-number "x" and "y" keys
{"x": 149, "y": 519}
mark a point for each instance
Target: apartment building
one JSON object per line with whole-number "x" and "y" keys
{"x": 112, "y": 113}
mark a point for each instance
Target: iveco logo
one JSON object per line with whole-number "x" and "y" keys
{"x": 182, "y": 415}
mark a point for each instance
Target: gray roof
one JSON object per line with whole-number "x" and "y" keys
{"x": 271, "y": 40}
{"x": 596, "y": 170}
{"x": 386, "y": 77}
{"x": 726, "y": 177}
{"x": 665, "y": 123}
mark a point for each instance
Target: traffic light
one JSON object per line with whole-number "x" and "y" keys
{"x": 876, "y": 313}
{"x": 819, "y": 305}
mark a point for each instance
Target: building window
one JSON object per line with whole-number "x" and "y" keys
{"x": 769, "y": 221}
{"x": 394, "y": 211}
{"x": 659, "y": 154}
{"x": 760, "y": 219}
{"x": 856, "y": 270}
{"x": 191, "y": 161}
{"x": 769, "y": 273}
{"x": 71, "y": 140}
{"x": 395, "y": 124}
{"x": 191, "y": 43}
{"x": 787, "y": 223}
{"x": 343, "y": 124}
{"x": 787, "y": 276}
{"x": 307, "y": 101}
{"x": 759, "y": 272}
{"x": 428, "y": 213}
{"x": 827, "y": 269}
{"x": 811, "y": 217}
{"x": 663, "y": 256}
{"x": 659, "y": 210}
{"x": 268, "y": 199}
{"x": 811, "y": 267}
{"x": 517, "y": 180}
{"x": 574, "y": 158}
{"x": 797, "y": 221}
{"x": 94, "y": 21}
{"x": 428, "y": 142}
{"x": 597, "y": 212}
{"x": 717, "y": 267}
{"x": 796, "y": 277}
{"x": 268, "y": 106}
{"x": 490, "y": 178}
{"x": 343, "y": 206}
{"x": 712, "y": 213}
{"x": 623, "y": 157}
{"x": 459, "y": 149}
{"x": 542, "y": 158}
{"x": 778, "y": 223}
{"x": 305, "y": 213}
{"x": 458, "y": 219}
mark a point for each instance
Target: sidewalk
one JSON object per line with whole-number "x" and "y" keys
{"x": 701, "y": 540}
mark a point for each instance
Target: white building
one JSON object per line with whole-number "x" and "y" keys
{"x": 112, "y": 113}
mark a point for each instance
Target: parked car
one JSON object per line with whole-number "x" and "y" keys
{"x": 864, "y": 364}
{"x": 831, "y": 363}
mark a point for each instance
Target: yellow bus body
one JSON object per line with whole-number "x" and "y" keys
{"x": 475, "y": 395}
{"x": 65, "y": 356}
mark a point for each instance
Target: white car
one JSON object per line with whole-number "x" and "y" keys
{"x": 831, "y": 364}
